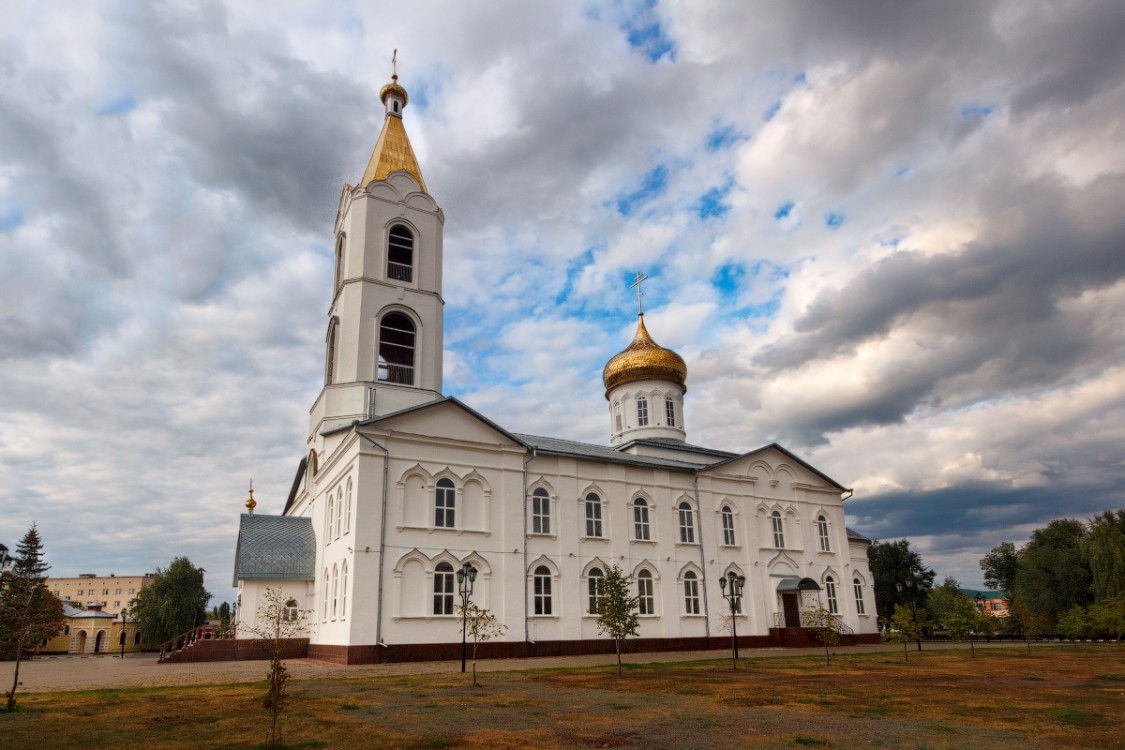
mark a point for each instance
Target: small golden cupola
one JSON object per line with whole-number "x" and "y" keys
{"x": 645, "y": 386}
{"x": 251, "y": 504}
{"x": 392, "y": 150}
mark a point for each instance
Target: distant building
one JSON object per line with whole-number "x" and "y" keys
{"x": 994, "y": 603}
{"x": 92, "y": 630}
{"x": 111, "y": 593}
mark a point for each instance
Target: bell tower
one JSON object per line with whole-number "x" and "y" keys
{"x": 383, "y": 340}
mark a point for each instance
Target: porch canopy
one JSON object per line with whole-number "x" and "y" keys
{"x": 793, "y": 583}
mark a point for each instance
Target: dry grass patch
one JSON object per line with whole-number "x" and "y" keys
{"x": 1055, "y": 698}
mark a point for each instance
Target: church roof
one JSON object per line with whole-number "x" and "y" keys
{"x": 275, "y": 548}
{"x": 559, "y": 446}
{"x": 392, "y": 150}
{"x": 677, "y": 445}
{"x": 855, "y": 536}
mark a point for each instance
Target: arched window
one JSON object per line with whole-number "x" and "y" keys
{"x": 646, "y": 599}
{"x": 339, "y": 264}
{"x": 66, "y": 630}
{"x": 542, "y": 588}
{"x": 396, "y": 349}
{"x": 344, "y": 591}
{"x": 400, "y": 254}
{"x": 642, "y": 411}
{"x": 335, "y": 590}
{"x": 137, "y": 638}
{"x": 593, "y": 516}
{"x": 540, "y": 511}
{"x": 778, "y": 530}
{"x": 691, "y": 593}
{"x": 822, "y": 532}
{"x": 830, "y": 592}
{"x": 443, "y": 589}
{"x": 641, "y": 530}
{"x": 330, "y": 351}
{"x": 617, "y": 416}
{"x": 860, "y": 607}
{"x": 728, "y": 526}
{"x": 687, "y": 523}
{"x": 329, "y": 514}
{"x": 348, "y": 510}
{"x": 339, "y": 511}
{"x": 445, "y": 499}
{"x": 325, "y": 613}
{"x": 290, "y": 612}
{"x": 595, "y": 588}
{"x": 670, "y": 411}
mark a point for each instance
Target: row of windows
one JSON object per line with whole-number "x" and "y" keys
{"x": 338, "y": 517}
{"x": 335, "y": 604}
{"x": 93, "y": 592}
{"x": 543, "y": 597}
{"x": 642, "y": 412}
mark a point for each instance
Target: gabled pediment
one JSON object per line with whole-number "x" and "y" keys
{"x": 773, "y": 465}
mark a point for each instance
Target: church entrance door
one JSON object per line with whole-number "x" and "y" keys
{"x": 790, "y": 606}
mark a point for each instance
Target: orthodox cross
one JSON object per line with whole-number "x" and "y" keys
{"x": 394, "y": 64}
{"x": 640, "y": 278}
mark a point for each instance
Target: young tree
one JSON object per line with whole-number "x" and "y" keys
{"x": 1076, "y": 623}
{"x": 29, "y": 612}
{"x": 827, "y": 628}
{"x": 1108, "y": 616}
{"x": 278, "y": 619}
{"x": 481, "y": 625}
{"x": 174, "y": 603}
{"x": 1105, "y": 550}
{"x": 893, "y": 563}
{"x": 1000, "y": 566}
{"x": 963, "y": 620}
{"x": 902, "y": 627}
{"x": 617, "y": 609}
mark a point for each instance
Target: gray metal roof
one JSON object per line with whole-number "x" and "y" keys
{"x": 561, "y": 447}
{"x": 678, "y": 445}
{"x": 855, "y": 536}
{"x": 275, "y": 548}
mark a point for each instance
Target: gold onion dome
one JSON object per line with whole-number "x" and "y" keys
{"x": 395, "y": 88}
{"x": 644, "y": 359}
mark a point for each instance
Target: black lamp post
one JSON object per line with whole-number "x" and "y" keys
{"x": 734, "y": 597}
{"x": 913, "y": 601}
{"x": 124, "y": 619}
{"x": 465, "y": 577}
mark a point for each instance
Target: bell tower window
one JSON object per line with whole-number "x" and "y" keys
{"x": 339, "y": 264}
{"x": 396, "y": 349}
{"x": 642, "y": 412}
{"x": 400, "y": 254}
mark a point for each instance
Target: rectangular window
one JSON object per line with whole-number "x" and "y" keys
{"x": 444, "y": 504}
{"x": 593, "y": 516}
{"x": 670, "y": 411}
{"x": 540, "y": 512}
{"x": 542, "y": 585}
{"x": 642, "y": 412}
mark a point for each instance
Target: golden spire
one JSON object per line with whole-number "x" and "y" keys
{"x": 644, "y": 359}
{"x": 250, "y": 502}
{"x": 392, "y": 150}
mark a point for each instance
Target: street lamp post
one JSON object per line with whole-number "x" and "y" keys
{"x": 124, "y": 619}
{"x": 912, "y": 594}
{"x": 733, "y": 595}
{"x": 980, "y": 600}
{"x": 465, "y": 577}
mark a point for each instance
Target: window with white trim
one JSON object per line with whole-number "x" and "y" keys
{"x": 687, "y": 523}
{"x": 593, "y": 515}
{"x": 728, "y": 526}
{"x": 443, "y": 589}
{"x": 339, "y": 511}
{"x": 324, "y": 614}
{"x": 670, "y": 411}
{"x": 642, "y": 411}
{"x": 396, "y": 349}
{"x": 646, "y": 597}
{"x": 822, "y": 532}
{"x": 540, "y": 511}
{"x": 617, "y": 418}
{"x": 830, "y": 592}
{"x": 860, "y": 607}
{"x": 329, "y": 515}
{"x": 542, "y": 590}
{"x": 641, "y": 528}
{"x": 691, "y": 593}
{"x": 778, "y": 530}
{"x": 595, "y": 590}
{"x": 445, "y": 501}
{"x": 348, "y": 509}
{"x": 335, "y": 589}
{"x": 400, "y": 254}
{"x": 344, "y": 591}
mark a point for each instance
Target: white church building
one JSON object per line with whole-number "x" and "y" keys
{"x": 401, "y": 486}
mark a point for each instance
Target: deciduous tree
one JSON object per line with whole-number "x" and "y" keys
{"x": 278, "y": 619}
{"x": 1105, "y": 551}
{"x": 172, "y": 604}
{"x": 1000, "y": 566}
{"x": 1053, "y": 574}
{"x": 480, "y": 625}
{"x": 827, "y": 628}
{"x": 942, "y": 600}
{"x": 902, "y": 627}
{"x": 964, "y": 620}
{"x": 1076, "y": 623}
{"x": 29, "y": 612}
{"x": 892, "y": 563}
{"x": 617, "y": 609}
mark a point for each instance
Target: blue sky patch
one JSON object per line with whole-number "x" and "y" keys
{"x": 118, "y": 106}
{"x": 645, "y": 33}
{"x": 784, "y": 210}
{"x": 833, "y": 219}
{"x": 654, "y": 184}
{"x": 728, "y": 279}
{"x": 975, "y": 111}
{"x": 800, "y": 78}
{"x": 711, "y": 205}
{"x": 723, "y": 137}
{"x": 11, "y": 220}
{"x": 772, "y": 111}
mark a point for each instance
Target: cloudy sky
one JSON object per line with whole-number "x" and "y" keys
{"x": 890, "y": 236}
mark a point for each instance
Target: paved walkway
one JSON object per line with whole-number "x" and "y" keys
{"x": 50, "y": 674}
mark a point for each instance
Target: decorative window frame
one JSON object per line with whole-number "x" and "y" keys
{"x": 726, "y": 504}
{"x": 681, "y": 581}
{"x": 696, "y": 531}
{"x": 599, "y": 564}
{"x": 542, "y": 485}
{"x": 555, "y": 599}
{"x": 594, "y": 489}
{"x": 652, "y": 517}
{"x": 644, "y": 566}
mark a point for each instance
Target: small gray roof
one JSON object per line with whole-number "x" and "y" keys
{"x": 275, "y": 548}
{"x": 561, "y": 447}
{"x": 678, "y": 445}
{"x": 855, "y": 536}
